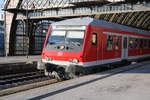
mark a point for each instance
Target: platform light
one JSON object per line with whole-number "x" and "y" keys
{"x": 44, "y": 31}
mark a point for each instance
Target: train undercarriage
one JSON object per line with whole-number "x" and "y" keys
{"x": 60, "y": 72}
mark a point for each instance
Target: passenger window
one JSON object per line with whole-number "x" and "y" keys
{"x": 109, "y": 42}
{"x": 149, "y": 44}
{"x": 131, "y": 43}
{"x": 141, "y": 43}
{"x": 145, "y": 43}
{"x": 117, "y": 46}
{"x": 94, "y": 39}
{"x": 136, "y": 43}
{"x": 125, "y": 43}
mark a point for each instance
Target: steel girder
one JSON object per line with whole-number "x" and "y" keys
{"x": 139, "y": 19}
{"x": 134, "y": 19}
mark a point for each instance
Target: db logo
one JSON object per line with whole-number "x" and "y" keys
{"x": 60, "y": 54}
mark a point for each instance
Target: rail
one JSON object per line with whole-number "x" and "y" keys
{"x": 8, "y": 81}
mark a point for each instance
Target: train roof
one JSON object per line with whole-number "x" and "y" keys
{"x": 102, "y": 23}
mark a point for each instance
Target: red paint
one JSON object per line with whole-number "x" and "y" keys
{"x": 96, "y": 52}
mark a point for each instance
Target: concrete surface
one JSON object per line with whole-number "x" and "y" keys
{"x": 16, "y": 59}
{"x": 129, "y": 85}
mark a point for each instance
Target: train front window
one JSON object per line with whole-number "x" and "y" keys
{"x": 57, "y": 37}
{"x": 66, "y": 37}
{"x": 75, "y": 37}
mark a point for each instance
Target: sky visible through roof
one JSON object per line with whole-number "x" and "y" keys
{"x": 1, "y": 2}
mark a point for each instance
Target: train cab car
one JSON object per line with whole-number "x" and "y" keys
{"x": 77, "y": 44}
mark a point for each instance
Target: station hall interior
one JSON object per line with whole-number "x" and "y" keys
{"x": 104, "y": 53}
{"x": 25, "y": 23}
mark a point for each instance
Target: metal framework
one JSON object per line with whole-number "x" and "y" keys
{"x": 134, "y": 13}
{"x": 128, "y": 12}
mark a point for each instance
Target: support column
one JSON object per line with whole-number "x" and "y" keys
{"x": 8, "y": 24}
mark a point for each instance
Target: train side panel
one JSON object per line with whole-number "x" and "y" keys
{"x": 103, "y": 52}
{"x": 99, "y": 52}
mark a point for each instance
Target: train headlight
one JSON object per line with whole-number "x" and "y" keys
{"x": 48, "y": 59}
{"x": 74, "y": 61}
{"x": 62, "y": 47}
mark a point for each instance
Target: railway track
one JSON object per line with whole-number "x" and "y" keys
{"x": 21, "y": 76}
{"x": 24, "y": 81}
{"x": 9, "y": 81}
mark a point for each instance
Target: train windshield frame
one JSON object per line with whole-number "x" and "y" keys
{"x": 67, "y": 35}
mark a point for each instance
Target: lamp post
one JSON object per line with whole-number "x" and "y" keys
{"x": 27, "y": 29}
{"x": 5, "y": 35}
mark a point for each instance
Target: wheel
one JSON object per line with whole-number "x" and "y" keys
{"x": 59, "y": 74}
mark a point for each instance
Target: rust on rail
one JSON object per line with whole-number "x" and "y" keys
{"x": 26, "y": 87}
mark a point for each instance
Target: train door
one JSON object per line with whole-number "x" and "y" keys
{"x": 124, "y": 47}
{"x": 94, "y": 46}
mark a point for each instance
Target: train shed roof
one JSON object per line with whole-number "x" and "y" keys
{"x": 102, "y": 23}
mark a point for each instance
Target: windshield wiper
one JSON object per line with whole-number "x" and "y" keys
{"x": 76, "y": 43}
{"x": 51, "y": 43}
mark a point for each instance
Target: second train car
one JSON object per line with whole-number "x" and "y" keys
{"x": 78, "y": 44}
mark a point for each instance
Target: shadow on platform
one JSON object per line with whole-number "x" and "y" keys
{"x": 109, "y": 73}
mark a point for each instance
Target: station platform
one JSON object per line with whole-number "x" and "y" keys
{"x": 126, "y": 83}
{"x": 18, "y": 64}
{"x": 19, "y": 59}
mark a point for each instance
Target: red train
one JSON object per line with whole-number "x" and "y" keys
{"x": 78, "y": 44}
